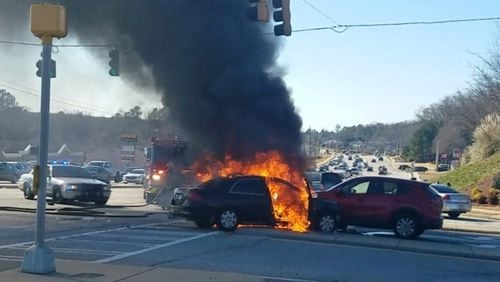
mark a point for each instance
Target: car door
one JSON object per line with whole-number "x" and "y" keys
{"x": 379, "y": 202}
{"x": 353, "y": 201}
{"x": 251, "y": 198}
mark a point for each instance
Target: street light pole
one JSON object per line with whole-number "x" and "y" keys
{"x": 47, "y": 21}
{"x": 40, "y": 258}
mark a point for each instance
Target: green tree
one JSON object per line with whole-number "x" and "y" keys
{"x": 420, "y": 147}
{"x": 135, "y": 112}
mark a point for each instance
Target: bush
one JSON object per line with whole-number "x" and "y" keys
{"x": 475, "y": 194}
{"x": 482, "y": 199}
{"x": 493, "y": 197}
{"x": 496, "y": 180}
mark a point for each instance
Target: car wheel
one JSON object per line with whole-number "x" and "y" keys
{"x": 327, "y": 223}
{"x": 453, "y": 214}
{"x": 28, "y": 193}
{"x": 101, "y": 202}
{"x": 406, "y": 226}
{"x": 204, "y": 223}
{"x": 57, "y": 196}
{"x": 125, "y": 182}
{"x": 227, "y": 220}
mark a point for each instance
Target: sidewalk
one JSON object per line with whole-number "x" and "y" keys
{"x": 70, "y": 270}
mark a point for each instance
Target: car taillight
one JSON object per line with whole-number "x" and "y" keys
{"x": 445, "y": 197}
{"x": 194, "y": 196}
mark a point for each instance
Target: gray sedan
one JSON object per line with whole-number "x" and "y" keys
{"x": 454, "y": 203}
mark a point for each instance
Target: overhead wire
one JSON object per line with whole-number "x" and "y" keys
{"x": 93, "y": 109}
{"x": 38, "y": 90}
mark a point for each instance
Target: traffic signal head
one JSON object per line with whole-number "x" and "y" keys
{"x": 282, "y": 17}
{"x": 39, "y": 68}
{"x": 114, "y": 62}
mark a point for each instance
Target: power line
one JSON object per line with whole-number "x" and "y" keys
{"x": 343, "y": 27}
{"x": 321, "y": 12}
{"x": 56, "y": 100}
{"x": 59, "y": 45}
{"x": 38, "y": 90}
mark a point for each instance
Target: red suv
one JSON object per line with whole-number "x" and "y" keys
{"x": 408, "y": 207}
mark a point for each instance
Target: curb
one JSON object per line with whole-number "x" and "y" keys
{"x": 494, "y": 232}
{"x": 398, "y": 247}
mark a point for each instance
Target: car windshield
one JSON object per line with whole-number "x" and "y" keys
{"x": 137, "y": 171}
{"x": 70, "y": 171}
{"x": 444, "y": 189}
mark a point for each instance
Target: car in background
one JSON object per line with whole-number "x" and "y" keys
{"x": 68, "y": 183}
{"x": 136, "y": 176}
{"x": 405, "y": 206}
{"x": 369, "y": 168}
{"x": 349, "y": 158}
{"x": 374, "y": 160}
{"x": 100, "y": 173}
{"x": 354, "y": 170}
{"x": 454, "y": 203}
{"x": 420, "y": 169}
{"x": 230, "y": 201}
{"x": 443, "y": 167}
{"x": 320, "y": 181}
{"x": 9, "y": 172}
{"x": 382, "y": 170}
{"x": 404, "y": 167}
{"x": 380, "y": 158}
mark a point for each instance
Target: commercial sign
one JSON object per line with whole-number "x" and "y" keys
{"x": 128, "y": 143}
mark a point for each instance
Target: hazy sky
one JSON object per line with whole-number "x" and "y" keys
{"x": 361, "y": 76}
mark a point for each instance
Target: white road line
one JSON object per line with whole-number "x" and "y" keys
{"x": 132, "y": 237}
{"x": 11, "y": 258}
{"x": 89, "y": 233}
{"x": 129, "y": 254}
{"x": 108, "y": 242}
{"x": 75, "y": 251}
{"x": 284, "y": 279}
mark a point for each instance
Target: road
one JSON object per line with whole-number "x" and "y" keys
{"x": 135, "y": 234}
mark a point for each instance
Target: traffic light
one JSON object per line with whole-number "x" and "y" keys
{"x": 259, "y": 11}
{"x": 52, "y": 68}
{"x": 114, "y": 62}
{"x": 281, "y": 16}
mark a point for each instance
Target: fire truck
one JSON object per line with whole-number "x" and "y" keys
{"x": 166, "y": 169}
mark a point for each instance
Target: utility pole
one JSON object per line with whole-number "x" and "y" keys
{"x": 47, "y": 21}
{"x": 437, "y": 154}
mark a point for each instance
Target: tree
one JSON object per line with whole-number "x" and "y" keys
{"x": 486, "y": 139}
{"x": 158, "y": 114}
{"x": 135, "y": 112}
{"x": 7, "y": 100}
{"x": 420, "y": 147}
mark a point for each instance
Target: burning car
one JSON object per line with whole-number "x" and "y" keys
{"x": 230, "y": 201}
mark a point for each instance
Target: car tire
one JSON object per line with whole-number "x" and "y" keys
{"x": 125, "y": 182}
{"x": 406, "y": 226}
{"x": 327, "y": 222}
{"x": 28, "y": 193}
{"x": 204, "y": 223}
{"x": 227, "y": 220}
{"x": 101, "y": 202}
{"x": 57, "y": 196}
{"x": 454, "y": 214}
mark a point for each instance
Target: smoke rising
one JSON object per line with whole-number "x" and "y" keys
{"x": 215, "y": 69}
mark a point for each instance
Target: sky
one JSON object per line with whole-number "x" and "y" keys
{"x": 361, "y": 76}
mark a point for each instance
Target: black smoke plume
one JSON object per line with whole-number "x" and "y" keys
{"x": 216, "y": 70}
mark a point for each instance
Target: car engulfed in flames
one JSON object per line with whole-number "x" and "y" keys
{"x": 290, "y": 209}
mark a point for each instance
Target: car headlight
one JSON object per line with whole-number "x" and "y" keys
{"x": 107, "y": 187}
{"x": 70, "y": 187}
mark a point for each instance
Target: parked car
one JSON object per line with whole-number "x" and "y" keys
{"x": 405, "y": 206}
{"x": 100, "y": 173}
{"x": 8, "y": 172}
{"x": 443, "y": 167}
{"x": 67, "y": 183}
{"x": 380, "y": 158}
{"x": 136, "y": 175}
{"x": 230, "y": 201}
{"x": 454, "y": 203}
{"x": 369, "y": 168}
{"x": 382, "y": 170}
{"x": 374, "y": 160}
{"x": 404, "y": 167}
{"x": 420, "y": 169}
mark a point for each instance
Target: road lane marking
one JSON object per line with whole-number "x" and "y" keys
{"x": 107, "y": 242}
{"x": 284, "y": 279}
{"x": 88, "y": 233}
{"x": 11, "y": 258}
{"x": 135, "y": 237}
{"x": 129, "y": 254}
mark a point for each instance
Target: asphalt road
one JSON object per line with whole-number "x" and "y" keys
{"x": 132, "y": 233}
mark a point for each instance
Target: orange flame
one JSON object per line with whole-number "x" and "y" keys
{"x": 290, "y": 207}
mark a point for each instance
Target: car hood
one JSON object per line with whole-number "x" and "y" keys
{"x": 133, "y": 174}
{"x": 76, "y": 180}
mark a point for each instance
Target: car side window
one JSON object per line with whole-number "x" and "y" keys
{"x": 357, "y": 188}
{"x": 249, "y": 186}
{"x": 393, "y": 188}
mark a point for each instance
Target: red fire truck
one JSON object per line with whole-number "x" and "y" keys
{"x": 166, "y": 168}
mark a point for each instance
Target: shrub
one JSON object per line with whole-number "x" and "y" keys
{"x": 482, "y": 199}
{"x": 475, "y": 194}
{"x": 493, "y": 197}
{"x": 496, "y": 180}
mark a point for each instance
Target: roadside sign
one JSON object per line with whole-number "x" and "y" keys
{"x": 457, "y": 153}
